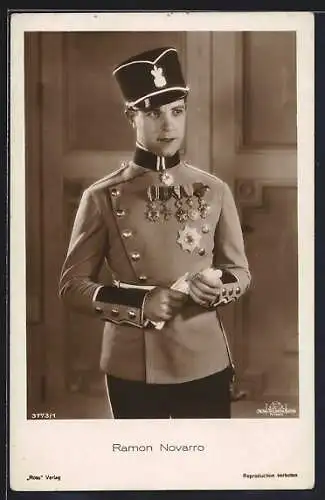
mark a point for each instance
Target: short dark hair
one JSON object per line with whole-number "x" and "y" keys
{"x": 129, "y": 111}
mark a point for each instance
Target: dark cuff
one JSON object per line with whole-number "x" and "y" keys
{"x": 230, "y": 291}
{"x": 124, "y": 296}
{"x": 120, "y": 305}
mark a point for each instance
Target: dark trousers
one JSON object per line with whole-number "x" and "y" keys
{"x": 208, "y": 397}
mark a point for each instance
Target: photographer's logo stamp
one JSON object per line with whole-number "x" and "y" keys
{"x": 276, "y": 409}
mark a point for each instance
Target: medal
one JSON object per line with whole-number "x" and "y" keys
{"x": 164, "y": 195}
{"x": 157, "y": 208}
{"x": 188, "y": 239}
{"x": 181, "y": 215}
{"x": 193, "y": 213}
{"x": 165, "y": 211}
{"x": 164, "y": 176}
{"x": 203, "y": 207}
{"x": 152, "y": 212}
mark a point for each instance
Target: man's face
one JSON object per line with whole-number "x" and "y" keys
{"x": 161, "y": 130}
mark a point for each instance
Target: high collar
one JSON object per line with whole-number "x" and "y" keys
{"x": 146, "y": 159}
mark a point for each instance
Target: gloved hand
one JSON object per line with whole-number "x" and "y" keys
{"x": 161, "y": 304}
{"x": 205, "y": 286}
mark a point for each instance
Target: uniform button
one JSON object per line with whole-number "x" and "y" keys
{"x": 135, "y": 256}
{"x": 120, "y": 213}
{"x": 224, "y": 292}
{"x": 127, "y": 233}
{"x": 98, "y": 309}
{"x": 143, "y": 278}
{"x": 230, "y": 292}
{"x": 238, "y": 290}
{"x": 205, "y": 228}
{"x": 115, "y": 192}
{"x": 115, "y": 312}
{"x": 201, "y": 251}
{"x": 132, "y": 314}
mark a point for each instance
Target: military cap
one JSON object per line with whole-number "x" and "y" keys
{"x": 152, "y": 78}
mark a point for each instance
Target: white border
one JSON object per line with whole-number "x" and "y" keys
{"x": 80, "y": 451}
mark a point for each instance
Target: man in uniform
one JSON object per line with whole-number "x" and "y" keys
{"x": 171, "y": 237}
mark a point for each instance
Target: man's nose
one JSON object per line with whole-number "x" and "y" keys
{"x": 167, "y": 121}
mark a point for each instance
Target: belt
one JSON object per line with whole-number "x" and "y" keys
{"x": 120, "y": 284}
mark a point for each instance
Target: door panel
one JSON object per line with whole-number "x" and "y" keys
{"x": 270, "y": 311}
{"x": 254, "y": 149}
{"x": 270, "y": 94}
{"x": 92, "y": 100}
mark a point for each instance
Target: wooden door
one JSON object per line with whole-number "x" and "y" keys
{"x": 254, "y": 149}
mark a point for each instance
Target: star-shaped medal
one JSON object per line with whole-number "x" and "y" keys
{"x": 188, "y": 239}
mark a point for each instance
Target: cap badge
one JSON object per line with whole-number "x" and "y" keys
{"x": 159, "y": 79}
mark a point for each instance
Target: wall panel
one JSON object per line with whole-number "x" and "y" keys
{"x": 269, "y": 89}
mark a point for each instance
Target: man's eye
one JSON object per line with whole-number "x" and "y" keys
{"x": 178, "y": 111}
{"x": 153, "y": 114}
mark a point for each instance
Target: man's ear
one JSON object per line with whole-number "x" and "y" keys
{"x": 130, "y": 115}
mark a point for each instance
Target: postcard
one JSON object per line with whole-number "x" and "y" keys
{"x": 161, "y": 251}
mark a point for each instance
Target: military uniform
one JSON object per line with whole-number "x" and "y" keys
{"x": 153, "y": 225}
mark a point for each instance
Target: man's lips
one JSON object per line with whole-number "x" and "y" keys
{"x": 166, "y": 139}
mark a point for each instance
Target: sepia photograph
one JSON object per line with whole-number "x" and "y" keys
{"x": 101, "y": 173}
{"x": 162, "y": 265}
